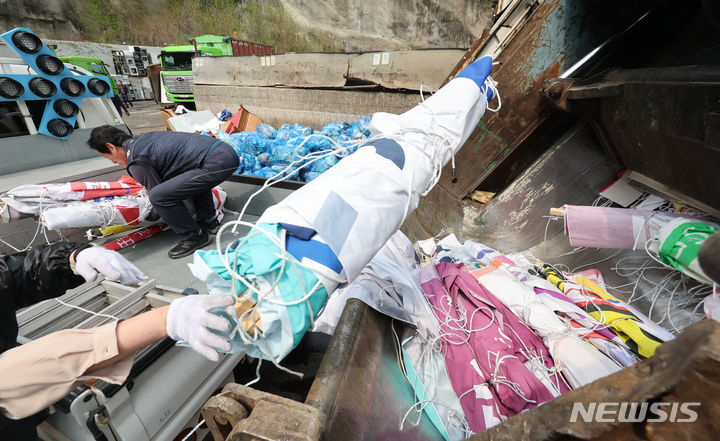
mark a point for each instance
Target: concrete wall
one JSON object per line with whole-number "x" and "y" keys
{"x": 296, "y": 70}
{"x": 396, "y": 70}
{"x": 405, "y": 69}
{"x": 315, "y": 107}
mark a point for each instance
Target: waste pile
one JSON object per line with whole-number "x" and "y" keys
{"x": 267, "y": 152}
{"x": 489, "y": 335}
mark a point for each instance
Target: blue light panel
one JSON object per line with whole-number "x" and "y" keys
{"x": 24, "y": 80}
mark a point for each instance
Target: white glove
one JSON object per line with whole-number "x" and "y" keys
{"x": 94, "y": 260}
{"x": 189, "y": 319}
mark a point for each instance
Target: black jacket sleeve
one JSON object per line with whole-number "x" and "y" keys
{"x": 143, "y": 172}
{"x": 41, "y": 273}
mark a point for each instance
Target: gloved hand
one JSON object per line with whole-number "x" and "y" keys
{"x": 189, "y": 319}
{"x": 94, "y": 260}
{"x": 478, "y": 71}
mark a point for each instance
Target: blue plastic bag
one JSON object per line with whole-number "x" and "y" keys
{"x": 322, "y": 164}
{"x": 266, "y": 152}
{"x": 319, "y": 143}
{"x": 224, "y": 115}
{"x": 333, "y": 130}
{"x": 248, "y": 162}
{"x": 284, "y": 154}
{"x": 309, "y": 176}
{"x": 266, "y": 131}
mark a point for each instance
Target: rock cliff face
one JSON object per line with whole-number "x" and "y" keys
{"x": 395, "y": 24}
{"x": 359, "y": 24}
{"x": 47, "y": 18}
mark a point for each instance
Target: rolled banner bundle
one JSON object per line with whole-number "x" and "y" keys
{"x": 85, "y": 204}
{"x": 675, "y": 238}
{"x": 581, "y": 363}
{"x": 77, "y": 191}
{"x": 640, "y": 334}
{"x": 115, "y": 211}
{"x": 678, "y": 243}
{"x": 324, "y": 233}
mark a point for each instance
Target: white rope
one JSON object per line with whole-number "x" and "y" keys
{"x": 420, "y": 404}
{"x": 422, "y": 97}
{"x": 194, "y": 429}
{"x": 86, "y": 310}
{"x": 202, "y": 421}
{"x": 257, "y": 374}
{"x": 490, "y": 83}
{"x": 437, "y": 143}
{"x": 462, "y": 327}
{"x": 596, "y": 262}
{"x": 37, "y": 229}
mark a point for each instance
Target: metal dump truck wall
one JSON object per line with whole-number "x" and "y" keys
{"x": 358, "y": 393}
{"x": 671, "y": 114}
{"x": 555, "y": 35}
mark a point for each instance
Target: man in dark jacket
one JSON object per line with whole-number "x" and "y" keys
{"x": 123, "y": 90}
{"x": 173, "y": 167}
{"x": 119, "y": 106}
{"x": 45, "y": 272}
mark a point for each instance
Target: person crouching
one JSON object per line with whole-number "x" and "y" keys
{"x": 173, "y": 167}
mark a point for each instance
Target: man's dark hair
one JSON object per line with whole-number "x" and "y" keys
{"x": 100, "y": 135}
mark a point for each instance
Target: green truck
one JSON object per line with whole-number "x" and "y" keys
{"x": 94, "y": 65}
{"x": 176, "y": 61}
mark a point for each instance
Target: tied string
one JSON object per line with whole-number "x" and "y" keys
{"x": 660, "y": 283}
{"x": 663, "y": 289}
{"x": 553, "y": 334}
{"x": 40, "y": 227}
{"x": 542, "y": 365}
{"x": 428, "y": 370}
{"x": 270, "y": 294}
{"x": 437, "y": 142}
{"x": 244, "y": 288}
{"x": 460, "y": 326}
{"x": 496, "y": 379}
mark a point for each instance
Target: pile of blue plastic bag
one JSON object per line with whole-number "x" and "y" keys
{"x": 267, "y": 152}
